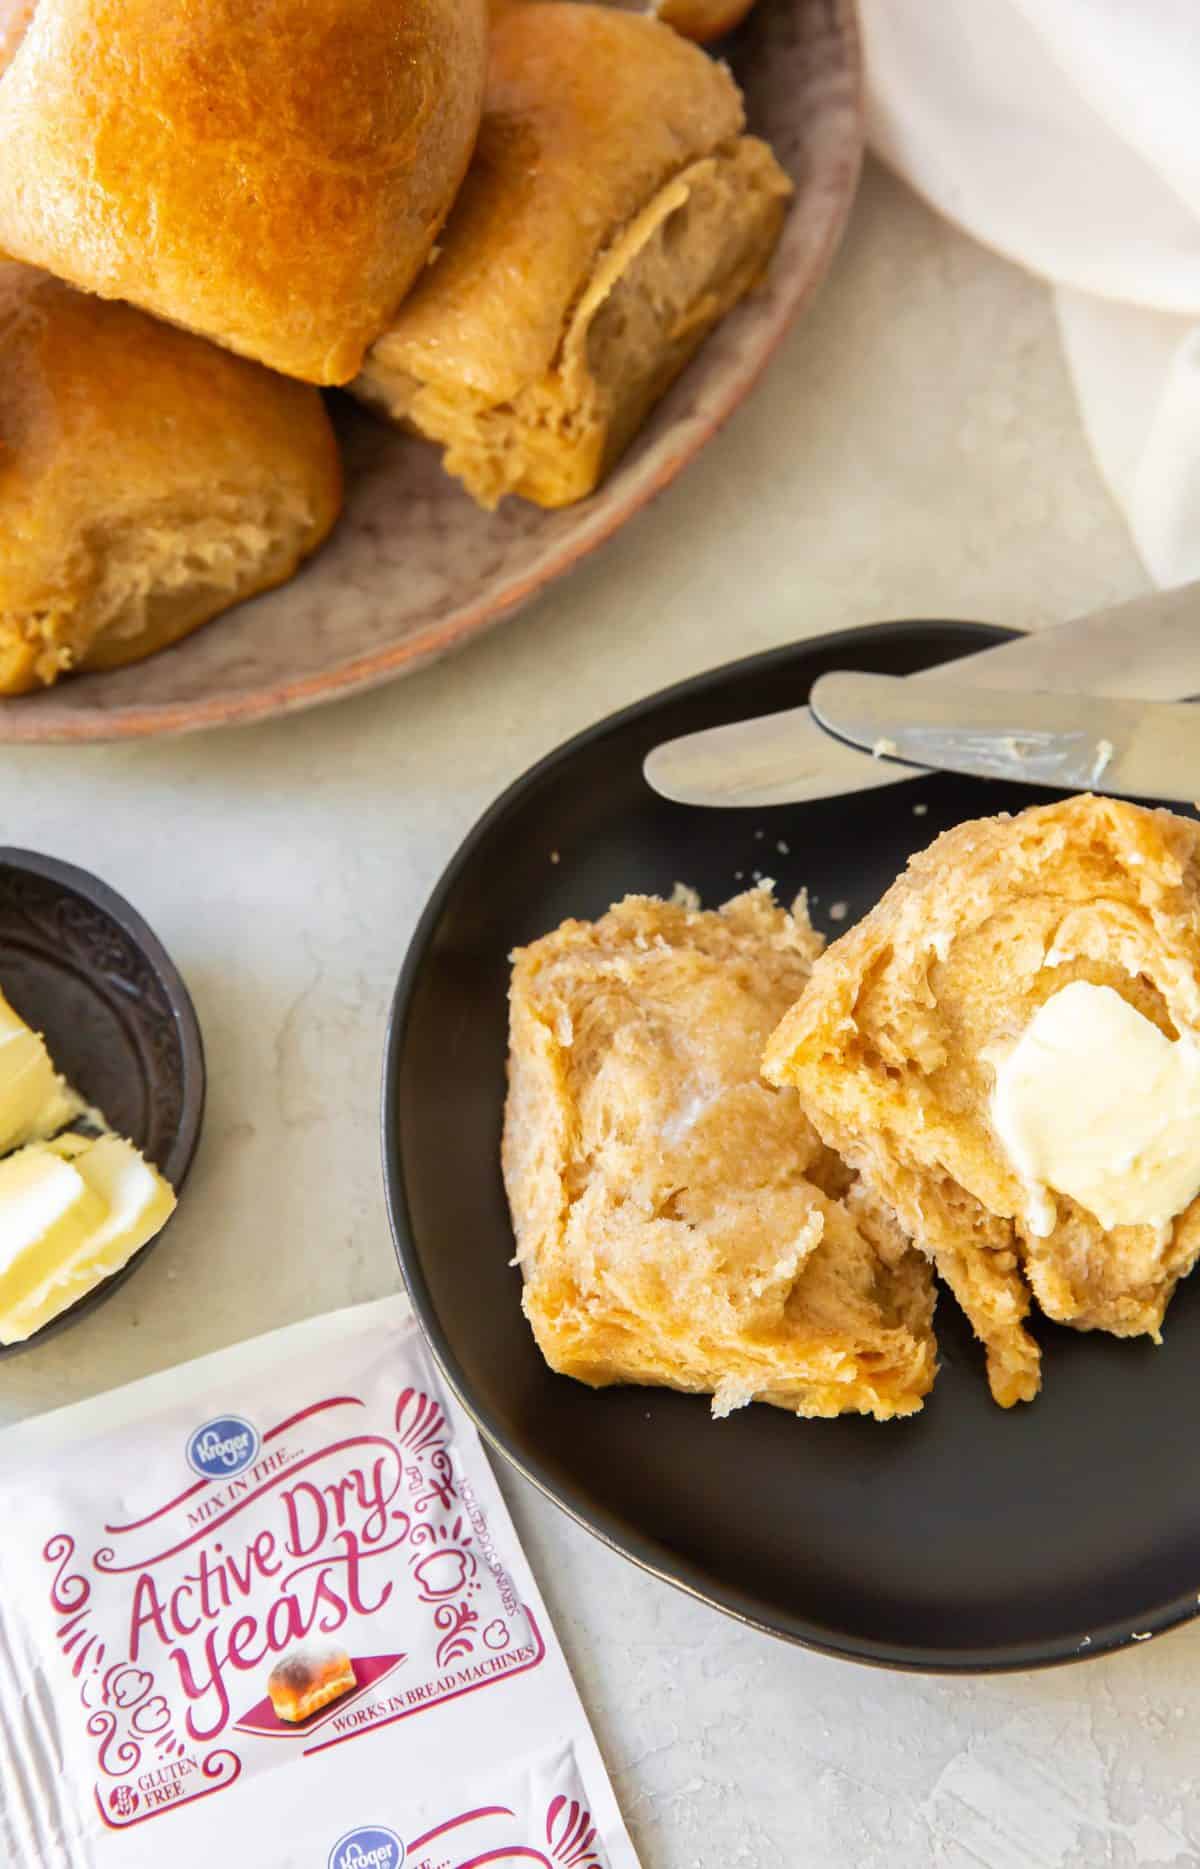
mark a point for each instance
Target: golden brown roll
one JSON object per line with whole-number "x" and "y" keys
{"x": 272, "y": 175}
{"x": 989, "y": 1050}
{"x": 147, "y": 480}
{"x": 678, "y": 1222}
{"x": 613, "y": 213}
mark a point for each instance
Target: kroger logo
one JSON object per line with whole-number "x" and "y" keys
{"x": 372, "y": 1848}
{"x": 222, "y": 1447}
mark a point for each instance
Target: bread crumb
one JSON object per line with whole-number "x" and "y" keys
{"x": 883, "y": 749}
{"x": 730, "y": 1393}
{"x": 554, "y": 857}
{"x": 782, "y": 848}
{"x": 920, "y": 810}
{"x": 685, "y": 897}
{"x": 760, "y": 833}
{"x": 838, "y": 911}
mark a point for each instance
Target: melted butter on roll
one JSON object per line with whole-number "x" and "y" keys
{"x": 1094, "y": 1102}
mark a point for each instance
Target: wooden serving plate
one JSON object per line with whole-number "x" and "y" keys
{"x": 415, "y": 568}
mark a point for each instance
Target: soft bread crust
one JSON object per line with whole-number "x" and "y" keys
{"x": 147, "y": 480}
{"x": 273, "y": 175}
{"x": 703, "y": 20}
{"x": 612, "y": 214}
{"x": 887, "y": 1047}
{"x": 678, "y": 1222}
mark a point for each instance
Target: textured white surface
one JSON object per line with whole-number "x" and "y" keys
{"x": 914, "y": 451}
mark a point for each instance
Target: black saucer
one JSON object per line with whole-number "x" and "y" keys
{"x": 965, "y": 1539}
{"x": 81, "y": 966}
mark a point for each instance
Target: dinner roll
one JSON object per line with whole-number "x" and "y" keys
{"x": 147, "y": 480}
{"x": 273, "y": 175}
{"x": 994, "y": 953}
{"x": 677, "y": 1221}
{"x": 613, "y": 213}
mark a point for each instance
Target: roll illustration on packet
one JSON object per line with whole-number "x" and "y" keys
{"x": 270, "y": 1608}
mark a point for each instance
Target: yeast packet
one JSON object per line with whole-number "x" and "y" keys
{"x": 270, "y": 1608}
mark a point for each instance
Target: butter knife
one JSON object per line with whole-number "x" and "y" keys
{"x": 1148, "y": 649}
{"x": 1127, "y": 749}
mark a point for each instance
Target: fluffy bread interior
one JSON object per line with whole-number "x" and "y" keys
{"x": 678, "y": 1222}
{"x": 139, "y": 585}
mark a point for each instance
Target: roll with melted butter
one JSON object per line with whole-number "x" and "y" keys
{"x": 1007, "y": 1050}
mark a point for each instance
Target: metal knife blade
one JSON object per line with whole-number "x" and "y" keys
{"x": 1131, "y": 749}
{"x": 1148, "y": 649}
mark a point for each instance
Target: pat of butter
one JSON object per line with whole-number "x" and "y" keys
{"x": 35, "y": 1102}
{"x": 1096, "y": 1103}
{"x": 128, "y": 1203}
{"x": 47, "y": 1212}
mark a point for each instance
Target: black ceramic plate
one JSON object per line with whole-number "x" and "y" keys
{"x": 966, "y": 1538}
{"x": 82, "y": 967}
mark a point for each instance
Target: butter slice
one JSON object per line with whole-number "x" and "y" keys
{"x": 35, "y": 1102}
{"x": 47, "y": 1213}
{"x": 1096, "y": 1103}
{"x": 134, "y": 1203}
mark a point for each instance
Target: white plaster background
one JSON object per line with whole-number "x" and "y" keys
{"x": 915, "y": 450}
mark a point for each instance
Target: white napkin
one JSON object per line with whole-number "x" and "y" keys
{"x": 1066, "y": 134}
